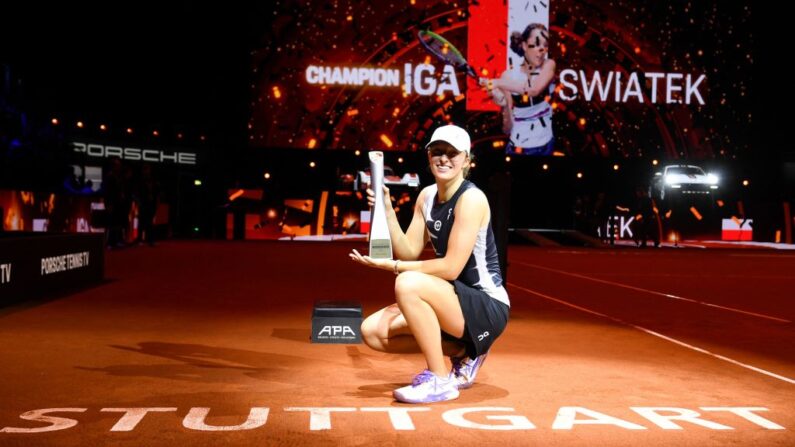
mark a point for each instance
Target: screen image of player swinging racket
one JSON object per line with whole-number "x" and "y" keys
{"x": 443, "y": 50}
{"x": 380, "y": 241}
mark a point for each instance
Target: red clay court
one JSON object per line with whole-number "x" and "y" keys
{"x": 207, "y": 343}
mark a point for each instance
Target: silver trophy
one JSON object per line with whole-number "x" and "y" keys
{"x": 380, "y": 242}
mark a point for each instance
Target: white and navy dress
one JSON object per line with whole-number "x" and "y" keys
{"x": 532, "y": 119}
{"x": 479, "y": 287}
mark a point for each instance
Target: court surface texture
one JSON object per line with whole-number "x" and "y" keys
{"x": 207, "y": 343}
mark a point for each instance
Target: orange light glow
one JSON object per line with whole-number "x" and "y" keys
{"x": 80, "y": 124}
{"x": 312, "y": 143}
{"x": 695, "y": 213}
{"x": 545, "y": 167}
{"x": 54, "y": 121}
{"x": 27, "y": 198}
{"x": 235, "y": 195}
{"x": 276, "y": 92}
{"x": 386, "y": 140}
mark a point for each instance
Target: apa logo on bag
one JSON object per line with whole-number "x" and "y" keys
{"x": 337, "y": 322}
{"x": 334, "y": 331}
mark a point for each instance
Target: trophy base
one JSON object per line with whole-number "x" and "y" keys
{"x": 380, "y": 249}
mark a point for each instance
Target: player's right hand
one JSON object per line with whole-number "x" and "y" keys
{"x": 371, "y": 197}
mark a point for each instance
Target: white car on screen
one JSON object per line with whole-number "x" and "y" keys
{"x": 684, "y": 179}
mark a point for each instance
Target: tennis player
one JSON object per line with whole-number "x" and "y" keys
{"x": 454, "y": 305}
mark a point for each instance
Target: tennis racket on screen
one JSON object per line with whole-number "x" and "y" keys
{"x": 443, "y": 50}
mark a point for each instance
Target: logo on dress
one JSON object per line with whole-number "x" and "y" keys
{"x": 437, "y": 225}
{"x": 449, "y": 213}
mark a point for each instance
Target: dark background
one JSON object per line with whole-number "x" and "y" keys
{"x": 184, "y": 67}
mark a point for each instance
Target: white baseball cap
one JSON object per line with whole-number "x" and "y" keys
{"x": 453, "y": 135}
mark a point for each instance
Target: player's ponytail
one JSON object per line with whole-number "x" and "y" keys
{"x": 469, "y": 165}
{"x": 516, "y": 43}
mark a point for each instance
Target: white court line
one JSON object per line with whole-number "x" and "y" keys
{"x": 653, "y": 292}
{"x": 697, "y": 275}
{"x": 750, "y": 255}
{"x": 657, "y": 334}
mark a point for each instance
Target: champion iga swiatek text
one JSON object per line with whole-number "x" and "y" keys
{"x": 613, "y": 86}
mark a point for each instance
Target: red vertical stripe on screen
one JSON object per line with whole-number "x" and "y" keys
{"x": 737, "y": 235}
{"x": 486, "y": 46}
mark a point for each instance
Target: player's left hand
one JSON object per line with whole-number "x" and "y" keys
{"x": 384, "y": 264}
